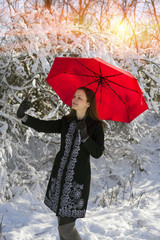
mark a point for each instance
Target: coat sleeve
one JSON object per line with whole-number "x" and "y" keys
{"x": 95, "y": 144}
{"x": 50, "y": 126}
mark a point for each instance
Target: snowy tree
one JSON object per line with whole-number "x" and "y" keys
{"x": 30, "y": 40}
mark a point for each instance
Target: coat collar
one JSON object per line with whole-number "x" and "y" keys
{"x": 89, "y": 121}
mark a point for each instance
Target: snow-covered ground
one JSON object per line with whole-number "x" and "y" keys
{"x": 25, "y": 218}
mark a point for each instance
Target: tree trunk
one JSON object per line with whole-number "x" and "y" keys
{"x": 47, "y": 4}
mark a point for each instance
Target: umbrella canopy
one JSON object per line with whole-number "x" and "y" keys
{"x": 118, "y": 95}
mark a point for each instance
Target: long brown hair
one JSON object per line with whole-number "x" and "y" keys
{"x": 92, "y": 109}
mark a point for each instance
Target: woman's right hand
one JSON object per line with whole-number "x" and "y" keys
{"x": 24, "y": 106}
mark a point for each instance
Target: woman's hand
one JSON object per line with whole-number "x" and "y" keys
{"x": 24, "y": 106}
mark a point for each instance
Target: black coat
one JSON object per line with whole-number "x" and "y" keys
{"x": 68, "y": 188}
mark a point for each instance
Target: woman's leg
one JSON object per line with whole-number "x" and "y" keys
{"x": 67, "y": 229}
{"x": 60, "y": 235}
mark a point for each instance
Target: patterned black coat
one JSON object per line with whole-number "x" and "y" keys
{"x": 68, "y": 188}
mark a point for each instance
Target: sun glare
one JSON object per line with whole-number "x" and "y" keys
{"x": 122, "y": 29}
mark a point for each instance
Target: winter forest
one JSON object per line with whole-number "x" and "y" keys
{"x": 124, "y": 198}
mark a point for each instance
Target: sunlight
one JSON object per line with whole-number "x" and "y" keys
{"x": 121, "y": 28}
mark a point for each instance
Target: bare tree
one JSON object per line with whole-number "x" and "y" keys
{"x": 127, "y": 8}
{"x": 156, "y": 15}
{"x": 101, "y": 13}
{"x": 47, "y": 4}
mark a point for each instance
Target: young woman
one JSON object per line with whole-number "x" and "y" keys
{"x": 81, "y": 137}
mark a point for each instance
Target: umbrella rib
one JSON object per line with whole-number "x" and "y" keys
{"x": 88, "y": 85}
{"x": 121, "y": 86}
{"x": 100, "y": 83}
{"x": 96, "y": 74}
{"x": 95, "y": 92}
{"x": 91, "y": 83}
{"x": 100, "y": 98}
{"x": 119, "y": 98}
{"x": 113, "y": 75}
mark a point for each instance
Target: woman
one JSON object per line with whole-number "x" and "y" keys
{"x": 81, "y": 136}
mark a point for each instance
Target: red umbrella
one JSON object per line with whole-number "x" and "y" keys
{"x": 118, "y": 95}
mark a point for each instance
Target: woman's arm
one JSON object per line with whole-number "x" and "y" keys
{"x": 51, "y": 126}
{"x": 95, "y": 144}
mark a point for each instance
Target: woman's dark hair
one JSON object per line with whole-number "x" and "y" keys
{"x": 92, "y": 109}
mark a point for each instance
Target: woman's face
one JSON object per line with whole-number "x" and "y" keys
{"x": 79, "y": 101}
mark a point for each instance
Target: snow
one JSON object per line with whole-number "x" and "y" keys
{"x": 26, "y": 218}
{"x": 136, "y": 217}
{"x": 124, "y": 201}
